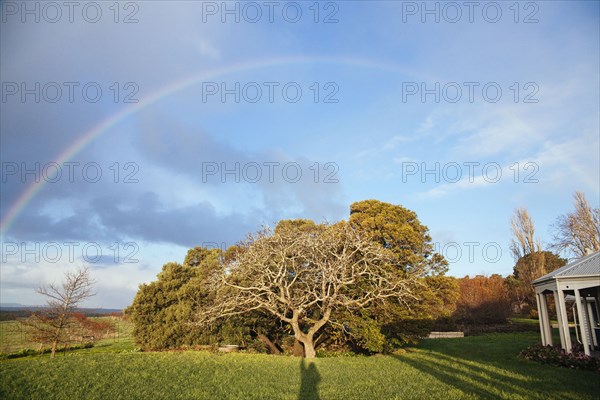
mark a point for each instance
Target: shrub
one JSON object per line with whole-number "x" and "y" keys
{"x": 555, "y": 355}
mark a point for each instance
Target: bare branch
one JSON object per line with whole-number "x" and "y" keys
{"x": 50, "y": 325}
{"x": 577, "y": 232}
{"x": 302, "y": 277}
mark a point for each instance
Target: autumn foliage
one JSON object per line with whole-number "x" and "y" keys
{"x": 91, "y": 330}
{"x": 482, "y": 299}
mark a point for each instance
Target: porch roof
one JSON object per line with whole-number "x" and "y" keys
{"x": 588, "y": 266}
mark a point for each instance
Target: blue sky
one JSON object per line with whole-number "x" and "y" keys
{"x": 498, "y": 102}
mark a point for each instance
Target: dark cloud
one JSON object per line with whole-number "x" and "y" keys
{"x": 185, "y": 226}
{"x": 109, "y": 219}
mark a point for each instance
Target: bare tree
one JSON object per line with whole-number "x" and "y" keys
{"x": 51, "y": 325}
{"x": 523, "y": 230}
{"x": 524, "y": 245}
{"x": 303, "y": 277}
{"x": 578, "y": 232}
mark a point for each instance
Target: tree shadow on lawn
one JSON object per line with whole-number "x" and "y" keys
{"x": 490, "y": 368}
{"x": 309, "y": 381}
{"x": 467, "y": 377}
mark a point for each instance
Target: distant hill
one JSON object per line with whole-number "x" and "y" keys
{"x": 84, "y": 310}
{"x": 3, "y": 305}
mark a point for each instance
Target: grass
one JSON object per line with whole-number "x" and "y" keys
{"x": 479, "y": 367}
{"x": 527, "y": 321}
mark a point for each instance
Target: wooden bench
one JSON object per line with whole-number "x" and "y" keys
{"x": 445, "y": 335}
{"x": 229, "y": 348}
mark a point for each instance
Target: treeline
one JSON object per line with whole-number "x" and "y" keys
{"x": 17, "y": 313}
{"x": 369, "y": 284}
{"x": 165, "y": 311}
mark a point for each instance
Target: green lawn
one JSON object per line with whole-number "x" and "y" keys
{"x": 528, "y": 321}
{"x": 484, "y": 367}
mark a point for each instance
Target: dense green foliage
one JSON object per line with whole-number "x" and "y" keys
{"x": 383, "y": 328}
{"x": 398, "y": 229}
{"x": 163, "y": 312}
{"x": 551, "y": 263}
{"x": 483, "y": 367}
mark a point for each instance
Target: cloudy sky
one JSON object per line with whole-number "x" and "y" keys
{"x": 131, "y": 133}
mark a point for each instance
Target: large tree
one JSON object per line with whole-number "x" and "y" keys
{"x": 525, "y": 244}
{"x": 578, "y": 232}
{"x": 301, "y": 276}
{"x": 551, "y": 263}
{"x": 519, "y": 286}
{"x": 399, "y": 230}
{"x": 531, "y": 261}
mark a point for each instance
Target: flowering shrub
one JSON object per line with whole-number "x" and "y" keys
{"x": 555, "y": 355}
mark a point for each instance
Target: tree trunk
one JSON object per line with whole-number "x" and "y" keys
{"x": 59, "y": 328}
{"x": 309, "y": 348}
{"x": 308, "y": 342}
{"x": 54, "y": 345}
{"x": 308, "y": 338}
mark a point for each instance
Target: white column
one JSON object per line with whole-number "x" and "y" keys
{"x": 546, "y": 319}
{"x": 561, "y": 328}
{"x": 561, "y": 310}
{"x": 583, "y": 324}
{"x": 591, "y": 317}
{"x": 541, "y": 318}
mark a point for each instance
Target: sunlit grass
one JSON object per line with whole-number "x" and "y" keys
{"x": 482, "y": 367}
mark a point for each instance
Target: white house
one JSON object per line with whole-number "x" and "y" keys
{"x": 578, "y": 281}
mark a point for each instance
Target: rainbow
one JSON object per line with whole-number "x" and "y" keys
{"x": 113, "y": 120}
